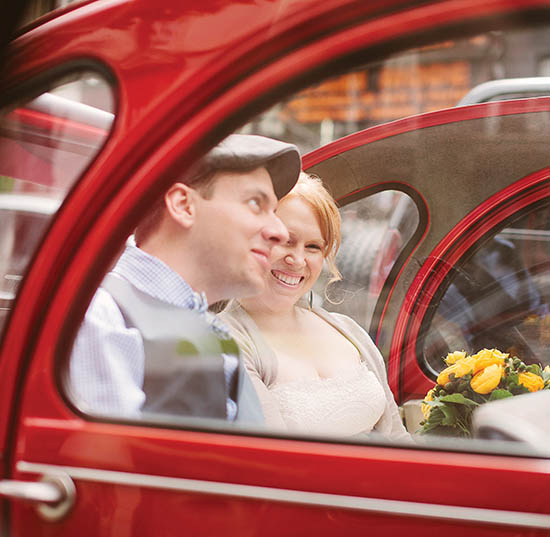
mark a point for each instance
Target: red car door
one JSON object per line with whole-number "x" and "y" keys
{"x": 183, "y": 76}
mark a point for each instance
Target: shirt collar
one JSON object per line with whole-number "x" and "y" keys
{"x": 154, "y": 277}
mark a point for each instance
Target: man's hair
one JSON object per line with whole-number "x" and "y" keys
{"x": 201, "y": 178}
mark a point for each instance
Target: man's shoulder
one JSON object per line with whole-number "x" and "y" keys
{"x": 104, "y": 309}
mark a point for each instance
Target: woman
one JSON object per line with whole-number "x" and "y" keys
{"x": 315, "y": 371}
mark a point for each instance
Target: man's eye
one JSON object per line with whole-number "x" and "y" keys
{"x": 254, "y": 203}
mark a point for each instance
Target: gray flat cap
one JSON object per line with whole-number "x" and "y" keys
{"x": 246, "y": 151}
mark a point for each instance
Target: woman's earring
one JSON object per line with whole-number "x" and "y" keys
{"x": 310, "y": 299}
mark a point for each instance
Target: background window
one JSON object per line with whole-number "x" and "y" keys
{"x": 45, "y": 145}
{"x": 499, "y": 297}
{"x": 374, "y": 231}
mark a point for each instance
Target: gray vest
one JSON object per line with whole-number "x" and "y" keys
{"x": 184, "y": 366}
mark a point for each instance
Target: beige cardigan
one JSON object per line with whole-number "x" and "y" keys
{"x": 261, "y": 363}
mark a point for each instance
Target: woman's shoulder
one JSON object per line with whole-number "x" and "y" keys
{"x": 340, "y": 320}
{"x": 242, "y": 328}
{"x": 236, "y": 317}
{"x": 257, "y": 355}
{"x": 353, "y": 330}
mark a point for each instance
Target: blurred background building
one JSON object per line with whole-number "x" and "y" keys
{"x": 421, "y": 80}
{"x": 418, "y": 81}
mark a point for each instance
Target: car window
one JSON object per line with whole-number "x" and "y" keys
{"x": 420, "y": 81}
{"x": 375, "y": 230}
{"x": 45, "y": 145}
{"x": 498, "y": 296}
{"x": 402, "y": 161}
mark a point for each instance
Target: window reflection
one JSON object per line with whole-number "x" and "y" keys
{"x": 45, "y": 144}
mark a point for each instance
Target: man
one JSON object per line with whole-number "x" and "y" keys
{"x": 147, "y": 343}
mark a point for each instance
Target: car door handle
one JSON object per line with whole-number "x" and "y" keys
{"x": 31, "y": 491}
{"x": 54, "y": 495}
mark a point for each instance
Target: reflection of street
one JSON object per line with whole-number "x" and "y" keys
{"x": 362, "y": 234}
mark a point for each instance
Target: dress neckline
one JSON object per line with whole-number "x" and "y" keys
{"x": 360, "y": 367}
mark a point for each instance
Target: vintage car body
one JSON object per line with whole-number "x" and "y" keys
{"x": 184, "y": 75}
{"x": 444, "y": 234}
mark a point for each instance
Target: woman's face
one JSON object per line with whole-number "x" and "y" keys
{"x": 296, "y": 265}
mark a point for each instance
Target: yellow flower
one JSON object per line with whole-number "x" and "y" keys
{"x": 487, "y": 357}
{"x": 459, "y": 368}
{"x": 532, "y": 382}
{"x": 426, "y": 409}
{"x": 452, "y": 357}
{"x": 488, "y": 379}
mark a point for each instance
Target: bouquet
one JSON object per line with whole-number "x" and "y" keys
{"x": 471, "y": 380}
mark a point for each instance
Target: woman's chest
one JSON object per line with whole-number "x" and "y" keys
{"x": 320, "y": 353}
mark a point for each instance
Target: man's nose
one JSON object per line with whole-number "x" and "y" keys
{"x": 275, "y": 231}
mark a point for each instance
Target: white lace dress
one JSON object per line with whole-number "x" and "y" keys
{"x": 349, "y": 404}
{"x": 346, "y": 405}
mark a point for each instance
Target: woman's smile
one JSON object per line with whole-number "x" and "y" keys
{"x": 286, "y": 278}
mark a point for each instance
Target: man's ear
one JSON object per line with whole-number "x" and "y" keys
{"x": 180, "y": 201}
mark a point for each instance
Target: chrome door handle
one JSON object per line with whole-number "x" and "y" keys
{"x": 54, "y": 495}
{"x": 42, "y": 492}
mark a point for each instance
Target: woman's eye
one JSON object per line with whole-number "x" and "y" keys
{"x": 314, "y": 247}
{"x": 254, "y": 204}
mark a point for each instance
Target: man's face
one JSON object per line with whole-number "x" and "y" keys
{"x": 237, "y": 228}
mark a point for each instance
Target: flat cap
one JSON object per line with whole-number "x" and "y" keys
{"x": 247, "y": 151}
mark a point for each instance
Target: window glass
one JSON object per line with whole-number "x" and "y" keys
{"x": 499, "y": 297}
{"x": 45, "y": 144}
{"x": 374, "y": 231}
{"x": 425, "y": 158}
{"x": 435, "y": 77}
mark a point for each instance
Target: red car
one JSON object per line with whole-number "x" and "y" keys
{"x": 103, "y": 100}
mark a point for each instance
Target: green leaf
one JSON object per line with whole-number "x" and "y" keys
{"x": 436, "y": 415}
{"x": 500, "y": 394}
{"x": 535, "y": 368}
{"x": 450, "y": 416}
{"x": 518, "y": 389}
{"x": 512, "y": 379}
{"x": 458, "y": 398}
{"x": 433, "y": 421}
{"x": 429, "y": 426}
{"x": 478, "y": 397}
